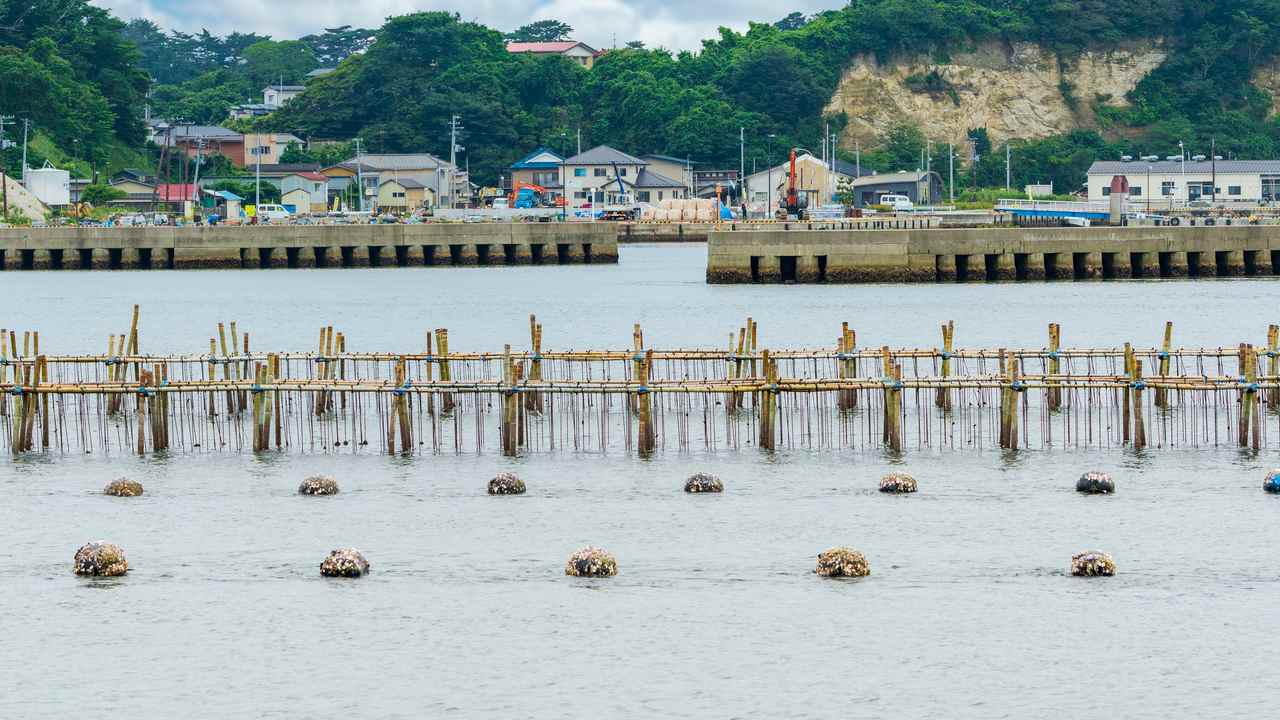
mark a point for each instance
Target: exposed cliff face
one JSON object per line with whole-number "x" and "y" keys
{"x": 1266, "y": 77}
{"x": 1012, "y": 90}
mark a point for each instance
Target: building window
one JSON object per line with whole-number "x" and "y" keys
{"x": 622, "y": 172}
{"x": 579, "y": 172}
{"x": 397, "y": 194}
{"x": 1166, "y": 188}
{"x": 1135, "y": 191}
{"x": 643, "y": 196}
{"x": 1270, "y": 187}
{"x": 1233, "y": 189}
{"x": 599, "y": 172}
{"x": 1106, "y": 190}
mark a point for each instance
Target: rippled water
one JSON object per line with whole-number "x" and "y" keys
{"x": 715, "y": 613}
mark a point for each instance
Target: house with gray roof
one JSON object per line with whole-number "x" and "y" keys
{"x": 606, "y": 175}
{"x": 1169, "y": 182}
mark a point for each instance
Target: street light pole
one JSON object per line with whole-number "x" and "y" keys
{"x": 768, "y": 158}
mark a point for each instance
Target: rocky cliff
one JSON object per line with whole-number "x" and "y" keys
{"x": 1013, "y": 90}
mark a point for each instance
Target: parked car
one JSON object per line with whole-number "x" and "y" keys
{"x": 273, "y": 213}
{"x": 899, "y": 203}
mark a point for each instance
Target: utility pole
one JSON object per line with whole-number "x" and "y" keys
{"x": 857, "y": 158}
{"x": 742, "y": 159}
{"x": 1008, "y": 166}
{"x": 26, "y": 127}
{"x": 195, "y": 183}
{"x": 1213, "y": 159}
{"x": 359, "y": 175}
{"x": 951, "y": 170}
{"x": 4, "y": 180}
{"x": 257, "y": 174}
{"x": 768, "y": 158}
{"x": 455, "y": 124}
{"x": 579, "y": 141}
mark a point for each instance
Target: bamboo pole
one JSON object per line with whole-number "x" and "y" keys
{"x": 1054, "y": 366}
{"x": 1162, "y": 365}
{"x": 646, "y": 439}
{"x": 943, "y": 398}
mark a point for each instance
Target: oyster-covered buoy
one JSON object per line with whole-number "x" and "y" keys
{"x": 591, "y": 562}
{"x": 318, "y": 485}
{"x": 506, "y": 483}
{"x": 1096, "y": 483}
{"x": 1093, "y": 564}
{"x": 842, "y": 562}
{"x": 100, "y": 559}
{"x": 703, "y": 483}
{"x": 123, "y": 487}
{"x": 346, "y": 562}
{"x": 898, "y": 483}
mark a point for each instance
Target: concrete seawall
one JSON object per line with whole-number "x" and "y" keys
{"x": 302, "y": 246}
{"x": 991, "y": 254}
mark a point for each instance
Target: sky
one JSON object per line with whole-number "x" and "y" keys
{"x": 599, "y": 23}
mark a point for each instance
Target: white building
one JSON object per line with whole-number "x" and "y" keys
{"x": 275, "y": 96}
{"x": 1173, "y": 182}
{"x": 50, "y": 185}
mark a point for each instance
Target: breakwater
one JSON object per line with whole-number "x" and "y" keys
{"x": 434, "y": 398}
{"x": 766, "y": 255}
{"x": 306, "y": 246}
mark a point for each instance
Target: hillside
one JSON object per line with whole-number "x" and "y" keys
{"x": 1063, "y": 80}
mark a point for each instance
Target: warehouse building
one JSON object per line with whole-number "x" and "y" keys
{"x": 1172, "y": 182}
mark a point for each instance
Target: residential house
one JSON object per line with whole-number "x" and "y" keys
{"x": 403, "y": 195}
{"x": 815, "y": 179}
{"x": 306, "y": 192}
{"x": 605, "y": 175}
{"x": 724, "y": 184}
{"x": 202, "y": 140}
{"x": 1171, "y": 182}
{"x": 265, "y": 148}
{"x": 173, "y": 197}
{"x": 540, "y": 167}
{"x": 922, "y": 188}
{"x": 581, "y": 53}
{"x": 137, "y": 194}
{"x": 431, "y": 171}
{"x": 673, "y": 167}
{"x": 246, "y": 111}
{"x": 275, "y": 96}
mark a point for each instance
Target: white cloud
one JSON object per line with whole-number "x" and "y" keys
{"x": 600, "y": 23}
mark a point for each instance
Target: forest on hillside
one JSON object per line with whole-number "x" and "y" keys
{"x": 82, "y": 75}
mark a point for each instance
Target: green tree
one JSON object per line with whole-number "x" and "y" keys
{"x": 99, "y": 195}
{"x": 337, "y": 44}
{"x": 794, "y": 21}
{"x": 542, "y": 31}
{"x": 269, "y": 62}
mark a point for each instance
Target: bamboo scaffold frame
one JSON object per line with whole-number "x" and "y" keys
{"x": 641, "y": 400}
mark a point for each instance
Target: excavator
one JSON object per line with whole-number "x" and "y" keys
{"x": 793, "y": 205}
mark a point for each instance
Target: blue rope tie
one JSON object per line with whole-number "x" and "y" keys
{"x": 112, "y": 361}
{"x": 400, "y": 391}
{"x": 1138, "y": 385}
{"x": 323, "y": 360}
{"x": 642, "y": 390}
{"x": 15, "y": 391}
{"x": 429, "y": 358}
{"x": 1053, "y": 355}
{"x": 846, "y": 356}
{"x": 536, "y": 357}
{"x": 773, "y": 388}
{"x": 4, "y": 361}
{"x": 1018, "y": 386}
{"x": 1251, "y": 387}
{"x": 1163, "y": 354}
{"x": 1273, "y": 353}
{"x": 638, "y": 357}
{"x": 945, "y": 355}
{"x": 145, "y": 391}
{"x": 256, "y": 389}
{"x": 892, "y": 384}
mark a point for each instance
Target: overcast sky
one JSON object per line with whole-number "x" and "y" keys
{"x": 664, "y": 23}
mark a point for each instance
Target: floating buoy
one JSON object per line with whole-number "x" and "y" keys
{"x": 318, "y": 485}
{"x": 703, "y": 483}
{"x": 842, "y": 562}
{"x": 1092, "y": 564}
{"x": 506, "y": 483}
{"x": 123, "y": 487}
{"x": 591, "y": 562}
{"x": 1096, "y": 483}
{"x": 1272, "y": 483}
{"x": 100, "y": 559}
{"x": 898, "y": 483}
{"x": 346, "y": 562}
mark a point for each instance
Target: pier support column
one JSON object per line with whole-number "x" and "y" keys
{"x": 945, "y": 267}
{"x": 770, "y": 269}
{"x": 807, "y": 269}
{"x": 1233, "y": 264}
{"x": 463, "y": 255}
{"x": 1201, "y": 264}
{"x": 42, "y": 260}
{"x": 975, "y": 267}
{"x": 518, "y": 254}
{"x": 1261, "y": 262}
{"x": 1057, "y": 266}
{"x": 1006, "y": 267}
{"x": 1145, "y": 265}
{"x": 571, "y": 253}
{"x": 1121, "y": 265}
{"x": 130, "y": 259}
{"x": 1175, "y": 265}
{"x": 604, "y": 254}
{"x": 1035, "y": 267}
{"x": 302, "y": 257}
{"x": 1088, "y": 266}
{"x": 353, "y": 256}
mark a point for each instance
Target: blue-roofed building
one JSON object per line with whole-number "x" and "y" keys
{"x": 540, "y": 167}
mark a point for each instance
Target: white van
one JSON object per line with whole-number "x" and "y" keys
{"x": 899, "y": 203}
{"x": 273, "y": 213}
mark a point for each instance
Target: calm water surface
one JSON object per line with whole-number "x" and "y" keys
{"x": 969, "y": 611}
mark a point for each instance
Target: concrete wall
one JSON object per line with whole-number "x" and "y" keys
{"x": 307, "y": 246}
{"x": 981, "y": 254}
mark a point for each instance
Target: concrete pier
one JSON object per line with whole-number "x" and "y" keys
{"x": 991, "y": 254}
{"x": 306, "y": 246}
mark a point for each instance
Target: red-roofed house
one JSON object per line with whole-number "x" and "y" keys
{"x": 581, "y": 53}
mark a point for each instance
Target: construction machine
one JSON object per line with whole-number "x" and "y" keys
{"x": 793, "y": 204}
